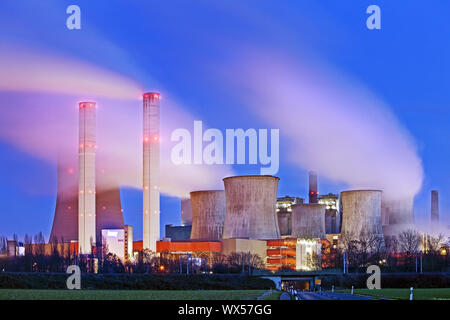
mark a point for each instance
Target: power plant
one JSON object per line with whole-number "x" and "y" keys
{"x": 251, "y": 207}
{"x": 308, "y": 221}
{"x": 361, "y": 212}
{"x": 86, "y": 177}
{"x": 246, "y": 216}
{"x": 151, "y": 160}
{"x": 208, "y": 214}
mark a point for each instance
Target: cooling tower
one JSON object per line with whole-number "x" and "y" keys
{"x": 208, "y": 214}
{"x": 151, "y": 171}
{"x": 308, "y": 221}
{"x": 251, "y": 207}
{"x": 434, "y": 206}
{"x": 86, "y": 177}
{"x": 398, "y": 215}
{"x": 284, "y": 223}
{"x": 186, "y": 212}
{"x": 65, "y": 223}
{"x": 361, "y": 212}
{"x": 313, "y": 190}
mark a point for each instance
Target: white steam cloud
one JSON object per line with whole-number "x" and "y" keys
{"x": 332, "y": 124}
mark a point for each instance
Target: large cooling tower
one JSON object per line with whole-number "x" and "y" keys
{"x": 284, "y": 223}
{"x": 107, "y": 205}
{"x": 186, "y": 212}
{"x": 251, "y": 207}
{"x": 208, "y": 214}
{"x": 65, "y": 223}
{"x": 151, "y": 221}
{"x": 308, "y": 221}
{"x": 398, "y": 215}
{"x": 361, "y": 212}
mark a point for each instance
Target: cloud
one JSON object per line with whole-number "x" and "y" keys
{"x": 330, "y": 123}
{"x": 39, "y": 115}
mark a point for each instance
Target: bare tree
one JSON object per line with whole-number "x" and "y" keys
{"x": 409, "y": 241}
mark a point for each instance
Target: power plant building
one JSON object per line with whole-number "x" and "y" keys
{"x": 284, "y": 213}
{"x": 361, "y": 212}
{"x": 332, "y": 217}
{"x": 313, "y": 187}
{"x": 208, "y": 214}
{"x": 251, "y": 207}
{"x": 308, "y": 221}
{"x": 151, "y": 165}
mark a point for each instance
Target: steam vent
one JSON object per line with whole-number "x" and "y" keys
{"x": 308, "y": 221}
{"x": 251, "y": 207}
{"x": 361, "y": 212}
{"x": 208, "y": 214}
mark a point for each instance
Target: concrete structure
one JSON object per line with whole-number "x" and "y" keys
{"x": 313, "y": 190}
{"x": 107, "y": 206}
{"x": 65, "y": 220}
{"x": 151, "y": 170}
{"x": 397, "y": 215}
{"x": 434, "y": 206}
{"x": 178, "y": 233}
{"x": 284, "y": 213}
{"x": 128, "y": 242}
{"x": 86, "y": 177}
{"x": 186, "y": 212}
{"x": 251, "y": 207}
{"x": 208, "y": 214}
{"x": 332, "y": 216}
{"x": 256, "y": 247}
{"x": 113, "y": 242}
{"x": 361, "y": 212}
{"x": 308, "y": 221}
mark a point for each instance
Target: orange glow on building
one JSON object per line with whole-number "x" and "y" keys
{"x": 188, "y": 246}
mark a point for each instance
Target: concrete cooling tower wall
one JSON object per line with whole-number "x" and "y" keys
{"x": 397, "y": 215}
{"x": 208, "y": 214}
{"x": 308, "y": 221}
{"x": 361, "y": 212}
{"x": 251, "y": 207}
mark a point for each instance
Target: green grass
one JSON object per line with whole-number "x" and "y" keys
{"x": 275, "y": 295}
{"x": 403, "y": 294}
{"x": 28, "y": 294}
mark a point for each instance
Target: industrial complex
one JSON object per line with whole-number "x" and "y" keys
{"x": 247, "y": 216}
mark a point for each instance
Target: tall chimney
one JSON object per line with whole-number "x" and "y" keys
{"x": 313, "y": 193}
{"x": 86, "y": 177}
{"x": 151, "y": 171}
{"x": 434, "y": 206}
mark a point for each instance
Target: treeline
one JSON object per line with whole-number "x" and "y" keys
{"x": 135, "y": 281}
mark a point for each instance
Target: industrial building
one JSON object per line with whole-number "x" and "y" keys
{"x": 332, "y": 216}
{"x": 284, "y": 213}
{"x": 251, "y": 207}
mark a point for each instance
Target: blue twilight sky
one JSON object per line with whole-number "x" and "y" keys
{"x": 196, "y": 53}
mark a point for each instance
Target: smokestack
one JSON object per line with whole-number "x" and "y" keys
{"x": 434, "y": 206}
{"x": 313, "y": 193}
{"x": 86, "y": 177}
{"x": 151, "y": 171}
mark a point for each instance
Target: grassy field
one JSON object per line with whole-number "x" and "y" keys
{"x": 403, "y": 294}
{"x": 26, "y": 294}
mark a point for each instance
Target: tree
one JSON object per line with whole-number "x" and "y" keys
{"x": 409, "y": 241}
